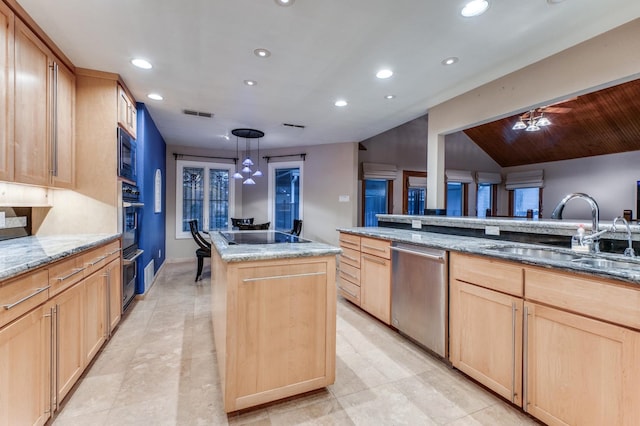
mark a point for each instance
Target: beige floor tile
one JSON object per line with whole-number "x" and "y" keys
{"x": 93, "y": 394}
{"x": 160, "y": 411}
{"x": 98, "y": 418}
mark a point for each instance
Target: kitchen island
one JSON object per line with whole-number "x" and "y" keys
{"x": 274, "y": 316}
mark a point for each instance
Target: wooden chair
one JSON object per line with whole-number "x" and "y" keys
{"x": 254, "y": 226}
{"x": 241, "y": 221}
{"x": 297, "y": 227}
{"x": 204, "y": 249}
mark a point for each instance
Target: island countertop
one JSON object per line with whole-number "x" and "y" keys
{"x": 247, "y": 252}
{"x": 23, "y": 254}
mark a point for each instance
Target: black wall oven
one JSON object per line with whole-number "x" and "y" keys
{"x": 130, "y": 233}
{"x": 126, "y": 156}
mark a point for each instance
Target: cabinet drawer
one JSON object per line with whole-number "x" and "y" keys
{"x": 349, "y": 273}
{"x": 597, "y": 298}
{"x": 380, "y": 248}
{"x": 99, "y": 257}
{"x": 350, "y": 257}
{"x": 349, "y": 241}
{"x": 20, "y": 295}
{"x": 349, "y": 291}
{"x": 494, "y": 274}
{"x": 64, "y": 274}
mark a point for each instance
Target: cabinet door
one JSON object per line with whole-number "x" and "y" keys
{"x": 127, "y": 114}
{"x": 375, "y": 286}
{"x": 63, "y": 148}
{"x": 114, "y": 283}
{"x": 580, "y": 371}
{"x": 69, "y": 327}
{"x": 32, "y": 81}
{"x": 485, "y": 332}
{"x": 6, "y": 92}
{"x": 25, "y": 369}
{"x": 95, "y": 314}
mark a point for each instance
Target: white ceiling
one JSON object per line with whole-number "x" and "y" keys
{"x": 322, "y": 50}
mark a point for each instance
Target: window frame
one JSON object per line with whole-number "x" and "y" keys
{"x": 512, "y": 201}
{"x": 271, "y": 208}
{"x": 206, "y": 165}
{"x": 363, "y": 198}
{"x": 465, "y": 197}
{"x": 405, "y": 188}
{"x": 494, "y": 198}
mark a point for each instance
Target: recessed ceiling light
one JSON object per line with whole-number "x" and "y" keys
{"x": 284, "y": 2}
{"x": 155, "y": 96}
{"x": 449, "y": 61}
{"x": 141, "y": 63}
{"x": 554, "y": 1}
{"x": 390, "y": 96}
{"x": 384, "y": 73}
{"x": 250, "y": 82}
{"x": 340, "y": 103}
{"x": 262, "y": 53}
{"x": 474, "y": 8}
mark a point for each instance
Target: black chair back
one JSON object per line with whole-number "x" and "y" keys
{"x": 236, "y": 222}
{"x": 199, "y": 239}
{"x": 297, "y": 227}
{"x": 254, "y": 226}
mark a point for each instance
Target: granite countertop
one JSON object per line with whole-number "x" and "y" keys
{"x": 485, "y": 247}
{"x": 248, "y": 252}
{"x": 20, "y": 255}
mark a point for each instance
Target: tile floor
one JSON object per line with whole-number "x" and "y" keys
{"x": 160, "y": 369}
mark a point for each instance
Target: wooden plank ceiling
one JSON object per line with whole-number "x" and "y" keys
{"x": 602, "y": 122}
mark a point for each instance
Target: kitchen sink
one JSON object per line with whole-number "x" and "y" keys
{"x": 607, "y": 263}
{"x": 538, "y": 252}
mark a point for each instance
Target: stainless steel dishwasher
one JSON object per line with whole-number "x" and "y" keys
{"x": 419, "y": 297}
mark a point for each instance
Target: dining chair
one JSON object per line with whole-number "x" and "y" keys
{"x": 241, "y": 221}
{"x": 254, "y": 226}
{"x": 297, "y": 227}
{"x": 204, "y": 249}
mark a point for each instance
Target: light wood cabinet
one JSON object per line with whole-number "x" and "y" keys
{"x": 127, "y": 113}
{"x": 375, "y": 278}
{"x": 114, "y": 294}
{"x": 95, "y": 314}
{"x": 6, "y": 92}
{"x": 69, "y": 353}
{"x": 44, "y": 108}
{"x": 349, "y": 268}
{"x": 25, "y": 351}
{"x": 580, "y": 371}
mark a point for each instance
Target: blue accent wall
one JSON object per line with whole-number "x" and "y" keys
{"x": 151, "y": 156}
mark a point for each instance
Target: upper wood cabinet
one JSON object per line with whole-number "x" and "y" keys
{"x": 6, "y": 92}
{"x": 44, "y": 106}
{"x": 127, "y": 113}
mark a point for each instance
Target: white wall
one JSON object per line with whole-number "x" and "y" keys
{"x": 329, "y": 171}
{"x": 600, "y": 62}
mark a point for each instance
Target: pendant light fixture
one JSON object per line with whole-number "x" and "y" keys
{"x": 247, "y": 163}
{"x": 530, "y": 122}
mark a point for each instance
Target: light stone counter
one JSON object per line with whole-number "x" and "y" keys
{"x": 483, "y": 246}
{"x": 248, "y": 252}
{"x": 20, "y": 255}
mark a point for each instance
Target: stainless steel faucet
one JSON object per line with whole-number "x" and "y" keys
{"x": 629, "y": 250}
{"x": 592, "y": 239}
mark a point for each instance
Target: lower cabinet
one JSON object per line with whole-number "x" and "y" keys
{"x": 486, "y": 338}
{"x": 113, "y": 273}
{"x": 375, "y": 286}
{"x": 95, "y": 305}
{"x": 580, "y": 371}
{"x": 25, "y": 361}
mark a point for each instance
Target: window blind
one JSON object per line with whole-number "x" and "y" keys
{"x": 379, "y": 171}
{"x": 528, "y": 179}
{"x": 417, "y": 182}
{"x": 488, "y": 177}
{"x": 462, "y": 176}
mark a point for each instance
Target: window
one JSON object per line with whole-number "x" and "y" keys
{"x": 203, "y": 192}
{"x": 285, "y": 194}
{"x": 485, "y": 200}
{"x": 414, "y": 192}
{"x": 455, "y": 198}
{"x": 525, "y": 199}
{"x": 377, "y": 199}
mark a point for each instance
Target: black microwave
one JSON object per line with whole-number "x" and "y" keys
{"x": 126, "y": 156}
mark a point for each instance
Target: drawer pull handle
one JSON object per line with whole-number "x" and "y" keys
{"x": 348, "y": 274}
{"x": 277, "y": 277}
{"x": 349, "y": 257}
{"x": 348, "y": 292}
{"x": 114, "y": 252}
{"x": 75, "y": 271}
{"x": 375, "y": 260}
{"x": 348, "y": 243}
{"x": 24, "y": 299}
{"x": 383, "y": 250}
{"x": 98, "y": 260}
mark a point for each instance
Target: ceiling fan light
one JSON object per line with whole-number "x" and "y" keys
{"x": 544, "y": 121}
{"x": 519, "y": 125}
{"x": 533, "y": 127}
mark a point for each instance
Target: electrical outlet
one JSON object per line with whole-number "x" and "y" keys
{"x": 492, "y": 230}
{"x": 3, "y": 222}
{"x": 343, "y": 198}
{"x": 417, "y": 224}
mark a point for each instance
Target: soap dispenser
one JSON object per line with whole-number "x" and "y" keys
{"x": 577, "y": 243}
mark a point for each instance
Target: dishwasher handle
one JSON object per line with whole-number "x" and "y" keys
{"x": 437, "y": 258}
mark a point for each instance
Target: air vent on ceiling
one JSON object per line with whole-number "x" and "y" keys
{"x": 198, "y": 113}
{"x": 299, "y": 126}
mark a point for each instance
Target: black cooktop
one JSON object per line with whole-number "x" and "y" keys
{"x": 261, "y": 237}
